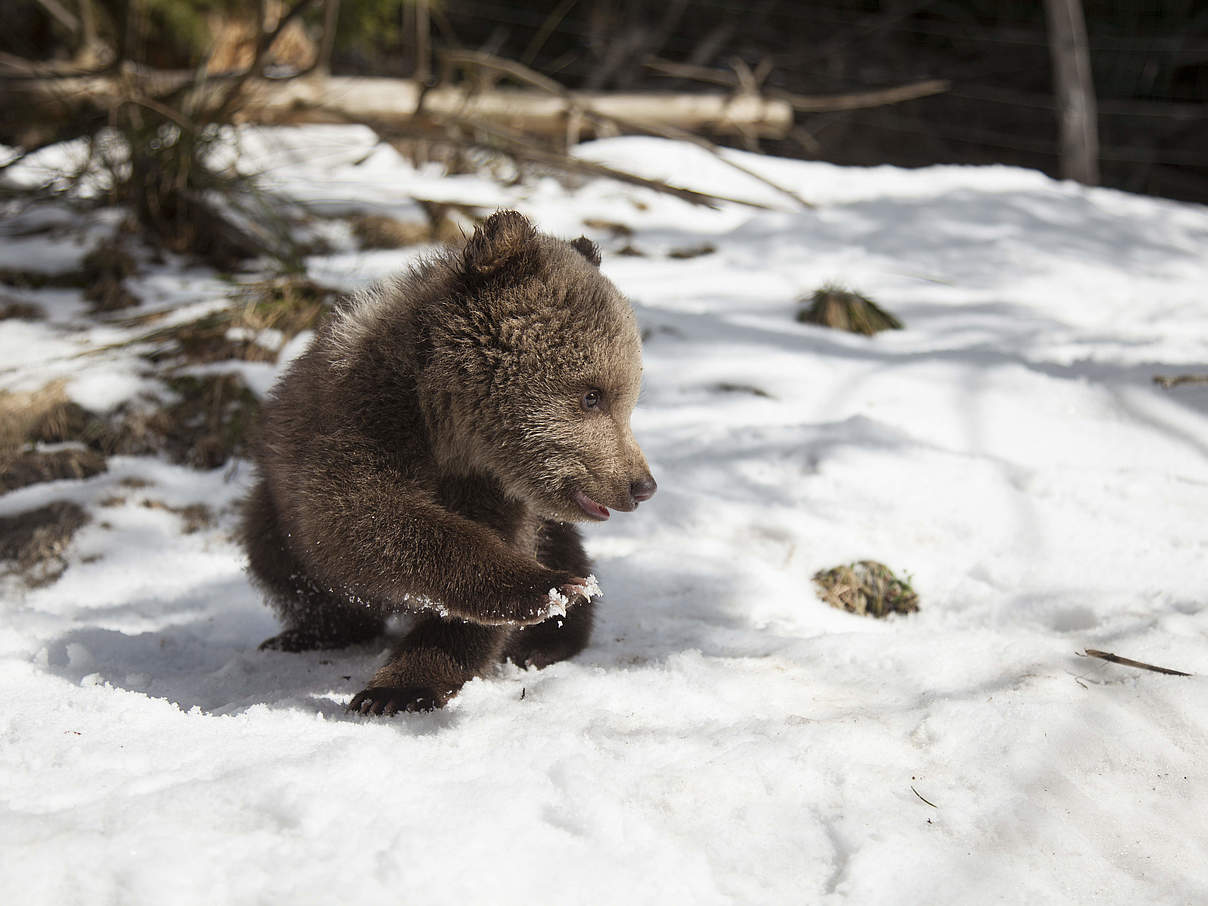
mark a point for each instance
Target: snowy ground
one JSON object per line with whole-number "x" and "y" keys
{"x": 727, "y": 738}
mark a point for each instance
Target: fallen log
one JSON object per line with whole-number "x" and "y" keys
{"x": 321, "y": 98}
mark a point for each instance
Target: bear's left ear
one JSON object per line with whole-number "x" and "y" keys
{"x": 497, "y": 241}
{"x": 587, "y": 249}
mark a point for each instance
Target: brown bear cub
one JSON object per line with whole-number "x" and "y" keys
{"x": 429, "y": 451}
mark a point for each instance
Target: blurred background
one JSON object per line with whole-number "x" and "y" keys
{"x": 864, "y": 82}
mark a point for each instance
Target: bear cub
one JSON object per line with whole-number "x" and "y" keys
{"x": 429, "y": 453}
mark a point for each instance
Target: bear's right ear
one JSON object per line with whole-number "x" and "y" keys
{"x": 501, "y": 238}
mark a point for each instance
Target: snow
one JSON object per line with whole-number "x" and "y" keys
{"x": 726, "y": 738}
{"x": 558, "y": 602}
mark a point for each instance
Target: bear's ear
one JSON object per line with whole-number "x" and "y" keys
{"x": 501, "y": 238}
{"x": 587, "y": 249}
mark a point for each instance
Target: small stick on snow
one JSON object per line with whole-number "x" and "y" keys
{"x": 920, "y": 795}
{"x": 1166, "y": 382}
{"x": 1129, "y": 662}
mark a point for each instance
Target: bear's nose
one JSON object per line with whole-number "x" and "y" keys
{"x": 643, "y": 489}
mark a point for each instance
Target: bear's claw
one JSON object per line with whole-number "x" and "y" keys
{"x": 389, "y": 700}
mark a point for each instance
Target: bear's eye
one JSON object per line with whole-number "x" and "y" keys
{"x": 592, "y": 399}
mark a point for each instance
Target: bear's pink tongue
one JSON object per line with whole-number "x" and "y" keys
{"x": 590, "y": 507}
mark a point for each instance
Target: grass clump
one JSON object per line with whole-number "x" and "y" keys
{"x": 33, "y": 544}
{"x": 867, "y": 588}
{"x": 844, "y": 309}
{"x": 287, "y": 305}
{"x": 105, "y": 270}
{"x": 209, "y": 421}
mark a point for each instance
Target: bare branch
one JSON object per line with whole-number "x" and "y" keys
{"x": 524, "y": 74}
{"x": 522, "y": 147}
{"x": 1129, "y": 662}
{"x": 807, "y": 103}
{"x": 61, "y": 14}
{"x": 264, "y": 45}
{"x": 861, "y": 100}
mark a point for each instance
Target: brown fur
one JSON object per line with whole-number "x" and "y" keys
{"x": 430, "y": 447}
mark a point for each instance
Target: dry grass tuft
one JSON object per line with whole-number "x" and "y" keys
{"x": 286, "y": 304}
{"x": 377, "y": 231}
{"x": 209, "y": 421}
{"x": 867, "y": 588}
{"x": 36, "y": 466}
{"x": 692, "y": 251}
{"x": 21, "y": 413}
{"x": 843, "y": 309}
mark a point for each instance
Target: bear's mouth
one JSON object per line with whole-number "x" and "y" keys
{"x": 590, "y": 507}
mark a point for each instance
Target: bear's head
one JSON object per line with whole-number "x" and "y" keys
{"x": 540, "y": 357}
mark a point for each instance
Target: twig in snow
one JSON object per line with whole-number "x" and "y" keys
{"x": 1129, "y": 662}
{"x": 1166, "y": 382}
{"x": 920, "y": 795}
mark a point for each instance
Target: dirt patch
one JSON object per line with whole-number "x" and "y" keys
{"x": 33, "y": 544}
{"x": 35, "y": 466}
{"x": 32, "y": 279}
{"x": 867, "y": 588}
{"x": 17, "y": 310}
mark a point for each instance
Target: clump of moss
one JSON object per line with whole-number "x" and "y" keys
{"x": 844, "y": 309}
{"x": 867, "y": 588}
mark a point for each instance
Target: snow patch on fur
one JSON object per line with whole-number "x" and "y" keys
{"x": 559, "y": 602}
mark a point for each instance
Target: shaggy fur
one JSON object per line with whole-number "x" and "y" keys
{"x": 428, "y": 451}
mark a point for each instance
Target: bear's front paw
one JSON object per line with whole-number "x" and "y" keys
{"x": 567, "y": 595}
{"x": 389, "y": 700}
{"x": 559, "y": 596}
